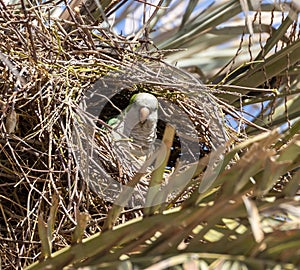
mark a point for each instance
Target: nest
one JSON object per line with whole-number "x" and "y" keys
{"x": 53, "y": 85}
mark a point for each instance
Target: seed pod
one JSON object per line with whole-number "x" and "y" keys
{"x": 2, "y": 105}
{"x": 11, "y": 122}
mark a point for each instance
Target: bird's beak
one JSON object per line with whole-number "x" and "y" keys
{"x": 144, "y": 113}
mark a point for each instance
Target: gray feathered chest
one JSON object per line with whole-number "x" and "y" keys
{"x": 135, "y": 128}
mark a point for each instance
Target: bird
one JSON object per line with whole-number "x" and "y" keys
{"x": 134, "y": 130}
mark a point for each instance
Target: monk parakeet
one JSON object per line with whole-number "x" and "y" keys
{"x": 134, "y": 130}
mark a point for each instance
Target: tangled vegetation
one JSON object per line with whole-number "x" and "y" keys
{"x": 58, "y": 74}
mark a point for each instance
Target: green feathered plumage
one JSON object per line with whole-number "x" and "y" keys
{"x": 134, "y": 130}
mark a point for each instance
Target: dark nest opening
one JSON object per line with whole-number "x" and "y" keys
{"x": 179, "y": 106}
{"x": 120, "y": 101}
{"x": 45, "y": 74}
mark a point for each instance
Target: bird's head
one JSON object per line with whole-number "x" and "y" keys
{"x": 146, "y": 105}
{"x": 139, "y": 123}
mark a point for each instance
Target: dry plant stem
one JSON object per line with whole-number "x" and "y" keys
{"x": 115, "y": 211}
{"x": 28, "y": 26}
{"x": 157, "y": 174}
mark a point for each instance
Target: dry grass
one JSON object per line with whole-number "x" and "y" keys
{"x": 45, "y": 72}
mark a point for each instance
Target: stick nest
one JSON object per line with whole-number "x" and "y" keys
{"x": 47, "y": 67}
